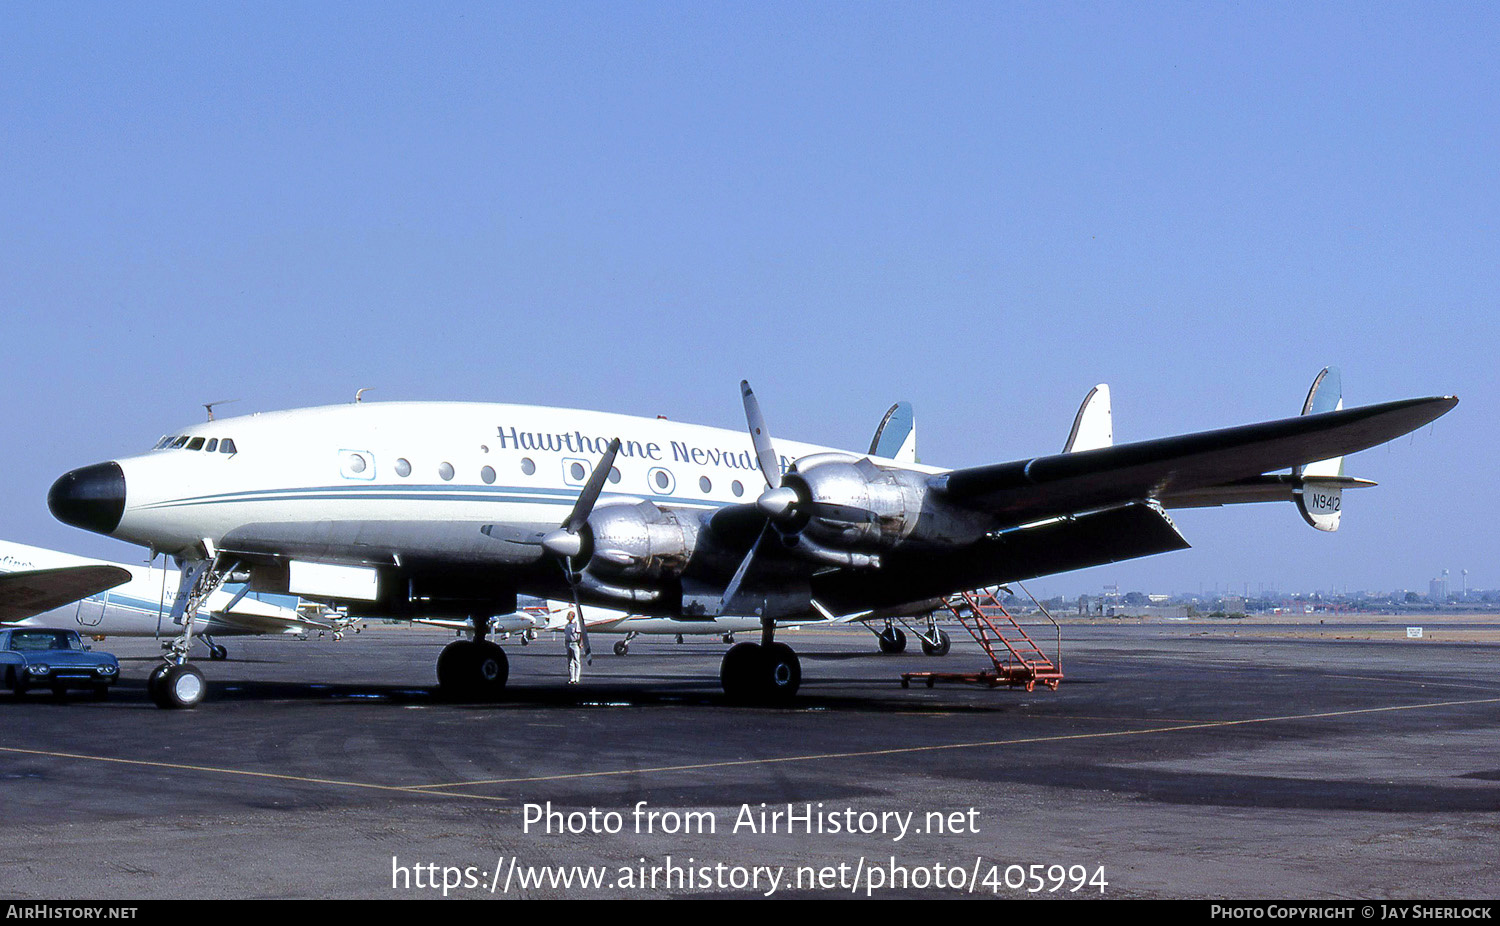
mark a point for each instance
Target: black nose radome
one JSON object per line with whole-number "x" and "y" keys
{"x": 92, "y": 498}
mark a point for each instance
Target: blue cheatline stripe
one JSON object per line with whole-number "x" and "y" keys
{"x": 559, "y": 497}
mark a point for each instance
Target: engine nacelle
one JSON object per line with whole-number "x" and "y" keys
{"x": 849, "y": 502}
{"x": 639, "y": 544}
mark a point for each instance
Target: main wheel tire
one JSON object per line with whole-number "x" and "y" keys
{"x": 491, "y": 671}
{"x": 738, "y": 671}
{"x": 154, "y": 679}
{"x": 892, "y": 641}
{"x": 455, "y": 666}
{"x": 180, "y": 687}
{"x": 472, "y": 671}
{"x": 782, "y": 672}
{"x": 941, "y": 647}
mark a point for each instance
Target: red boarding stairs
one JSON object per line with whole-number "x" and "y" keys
{"x": 1020, "y": 664}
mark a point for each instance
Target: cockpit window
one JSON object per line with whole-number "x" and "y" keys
{"x": 195, "y": 444}
{"x": 213, "y": 442}
{"x": 163, "y": 442}
{"x": 227, "y": 446}
{"x": 179, "y": 442}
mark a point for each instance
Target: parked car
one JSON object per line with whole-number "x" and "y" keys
{"x": 31, "y": 657}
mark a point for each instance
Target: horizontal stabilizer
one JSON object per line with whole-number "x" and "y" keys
{"x": 27, "y": 594}
{"x": 1028, "y": 490}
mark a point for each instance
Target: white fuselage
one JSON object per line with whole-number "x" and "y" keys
{"x": 426, "y": 461}
{"x": 140, "y": 607}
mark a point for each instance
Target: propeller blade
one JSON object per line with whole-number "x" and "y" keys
{"x": 590, "y": 494}
{"x": 760, "y": 436}
{"x": 585, "y": 649}
{"x": 733, "y": 587}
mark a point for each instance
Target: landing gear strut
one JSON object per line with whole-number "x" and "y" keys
{"x": 938, "y": 645}
{"x": 177, "y": 684}
{"x": 473, "y": 670}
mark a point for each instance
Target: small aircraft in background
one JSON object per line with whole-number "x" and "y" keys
{"x": 47, "y": 588}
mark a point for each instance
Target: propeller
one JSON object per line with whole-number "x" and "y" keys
{"x": 777, "y": 501}
{"x": 567, "y": 541}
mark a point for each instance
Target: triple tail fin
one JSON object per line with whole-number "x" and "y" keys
{"x": 896, "y": 438}
{"x": 1094, "y": 425}
{"x": 1317, "y": 486}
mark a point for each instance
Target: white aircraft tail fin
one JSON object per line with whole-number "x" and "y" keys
{"x": 1094, "y": 425}
{"x": 1321, "y": 502}
{"x": 896, "y": 438}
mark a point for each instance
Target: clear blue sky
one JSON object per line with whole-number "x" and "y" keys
{"x": 982, "y": 208}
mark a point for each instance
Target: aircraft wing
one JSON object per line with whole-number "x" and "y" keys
{"x": 27, "y": 594}
{"x": 1043, "y": 548}
{"x": 1050, "y": 486}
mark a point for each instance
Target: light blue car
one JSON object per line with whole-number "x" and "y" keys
{"x": 36, "y": 658}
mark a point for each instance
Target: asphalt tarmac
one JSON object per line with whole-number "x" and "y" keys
{"x": 1178, "y": 759}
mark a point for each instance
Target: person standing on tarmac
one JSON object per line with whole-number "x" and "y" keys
{"x": 571, "y": 636}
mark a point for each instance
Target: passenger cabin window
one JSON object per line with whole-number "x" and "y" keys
{"x": 227, "y": 446}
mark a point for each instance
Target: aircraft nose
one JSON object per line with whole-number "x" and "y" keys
{"x": 92, "y": 497}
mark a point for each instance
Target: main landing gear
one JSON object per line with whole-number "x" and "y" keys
{"x": 761, "y": 672}
{"x": 473, "y": 670}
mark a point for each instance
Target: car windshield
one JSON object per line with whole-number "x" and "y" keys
{"x": 38, "y": 641}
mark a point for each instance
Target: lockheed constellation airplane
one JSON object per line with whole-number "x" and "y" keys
{"x": 417, "y": 509}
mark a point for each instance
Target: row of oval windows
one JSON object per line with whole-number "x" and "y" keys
{"x": 660, "y": 477}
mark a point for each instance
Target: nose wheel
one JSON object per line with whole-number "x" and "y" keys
{"x": 176, "y": 686}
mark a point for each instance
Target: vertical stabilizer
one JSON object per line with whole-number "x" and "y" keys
{"x": 896, "y": 438}
{"x": 1094, "y": 425}
{"x": 1321, "y": 503}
